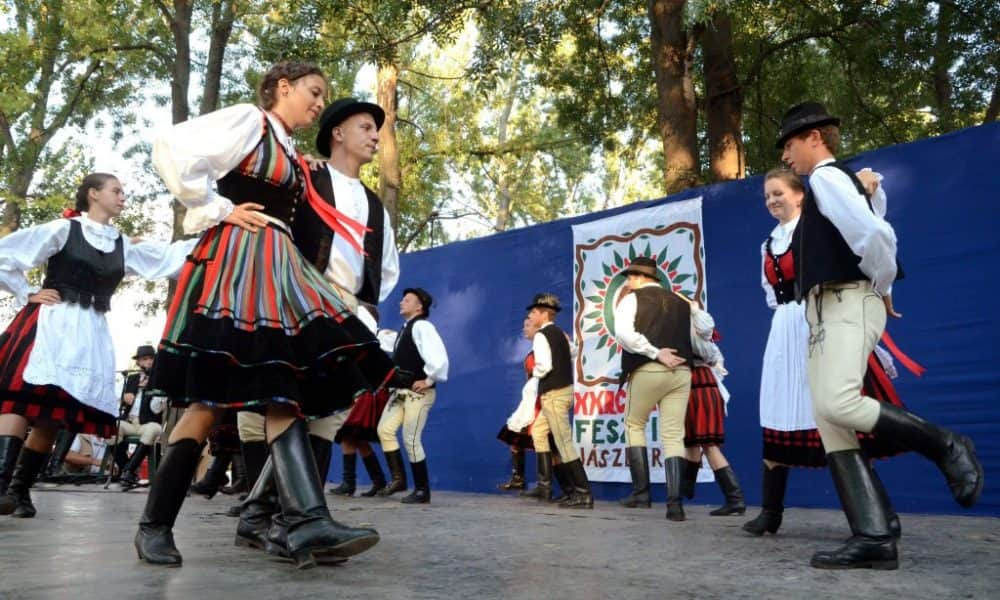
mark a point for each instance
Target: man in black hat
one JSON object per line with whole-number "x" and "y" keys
{"x": 846, "y": 265}
{"x": 141, "y": 415}
{"x": 653, "y": 327}
{"x": 419, "y": 351}
{"x": 554, "y": 371}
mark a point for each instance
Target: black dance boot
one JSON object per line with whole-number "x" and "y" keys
{"x": 730, "y": 486}
{"x": 10, "y": 449}
{"x": 394, "y": 458}
{"x": 674, "y": 468}
{"x": 64, "y": 441}
{"x": 639, "y": 467}
{"x": 421, "y": 484}
{"x": 543, "y": 482}
{"x": 690, "y": 482}
{"x": 256, "y": 511}
{"x": 215, "y": 477}
{"x": 581, "y": 497}
{"x": 154, "y": 542}
{"x": 954, "y": 454}
{"x": 129, "y": 479}
{"x": 239, "y": 483}
{"x": 562, "y": 477}
{"x": 349, "y": 483}
{"x": 516, "y": 481}
{"x": 254, "y": 457}
{"x": 871, "y": 546}
{"x": 29, "y": 465}
{"x": 322, "y": 450}
{"x": 310, "y": 528}
{"x": 895, "y": 527}
{"x": 772, "y": 493}
{"x": 374, "y": 473}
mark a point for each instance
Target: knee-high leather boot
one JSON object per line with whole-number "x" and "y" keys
{"x": 871, "y": 546}
{"x": 311, "y": 529}
{"x": 255, "y": 454}
{"x": 10, "y": 450}
{"x": 256, "y": 511}
{"x": 674, "y": 470}
{"x": 349, "y": 482}
{"x": 690, "y": 482}
{"x": 543, "y": 484}
{"x": 516, "y": 481}
{"x": 375, "y": 473}
{"x": 129, "y": 478}
{"x": 561, "y": 475}
{"x": 215, "y": 477}
{"x": 394, "y": 458}
{"x": 730, "y": 486}
{"x": 773, "y": 486}
{"x": 954, "y": 454}
{"x": 154, "y": 542}
{"x": 639, "y": 467}
{"x": 895, "y": 527}
{"x": 581, "y": 496}
{"x": 29, "y": 465}
{"x": 421, "y": 484}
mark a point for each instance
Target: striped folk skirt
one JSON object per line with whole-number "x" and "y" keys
{"x": 253, "y": 323}
{"x": 41, "y": 404}
{"x": 706, "y": 411}
{"x": 804, "y": 448}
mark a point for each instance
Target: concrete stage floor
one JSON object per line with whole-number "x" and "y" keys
{"x": 485, "y": 546}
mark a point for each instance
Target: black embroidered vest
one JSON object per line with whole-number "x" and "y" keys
{"x": 665, "y": 320}
{"x": 83, "y": 274}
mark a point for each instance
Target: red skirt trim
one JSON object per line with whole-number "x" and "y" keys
{"x": 703, "y": 423}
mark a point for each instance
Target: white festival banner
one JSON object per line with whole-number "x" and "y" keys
{"x": 672, "y": 235}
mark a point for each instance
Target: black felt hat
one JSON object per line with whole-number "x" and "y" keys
{"x": 144, "y": 350}
{"x": 424, "y": 296}
{"x": 802, "y": 117}
{"x": 642, "y": 265}
{"x": 337, "y": 113}
{"x": 545, "y": 300}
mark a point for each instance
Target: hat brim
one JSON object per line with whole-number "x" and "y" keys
{"x": 804, "y": 126}
{"x": 338, "y": 117}
{"x": 548, "y": 306}
{"x": 635, "y": 271}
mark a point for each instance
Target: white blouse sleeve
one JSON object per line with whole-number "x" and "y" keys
{"x": 432, "y": 350}
{"x": 192, "y": 155}
{"x": 155, "y": 260}
{"x": 543, "y": 355}
{"x": 26, "y": 249}
{"x": 390, "y": 260}
{"x": 769, "y": 297}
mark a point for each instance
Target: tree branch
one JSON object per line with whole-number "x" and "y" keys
{"x": 753, "y": 73}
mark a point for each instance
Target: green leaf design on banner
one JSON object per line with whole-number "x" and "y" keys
{"x": 612, "y": 351}
{"x": 607, "y": 270}
{"x": 594, "y": 328}
{"x": 619, "y": 261}
{"x": 595, "y": 299}
{"x": 631, "y": 252}
{"x": 662, "y": 256}
{"x": 603, "y": 340}
{"x": 674, "y": 263}
{"x": 592, "y": 315}
{"x": 682, "y": 277}
{"x": 691, "y": 237}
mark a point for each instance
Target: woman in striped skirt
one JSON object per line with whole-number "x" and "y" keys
{"x": 253, "y": 325}
{"x": 57, "y": 360}
{"x": 704, "y": 429}
{"x": 786, "y": 415}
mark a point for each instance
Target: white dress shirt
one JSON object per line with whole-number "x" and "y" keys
{"x": 431, "y": 348}
{"x": 346, "y": 266}
{"x": 702, "y": 329}
{"x": 867, "y": 234}
{"x": 191, "y": 156}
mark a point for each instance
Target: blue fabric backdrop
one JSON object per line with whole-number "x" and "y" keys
{"x": 944, "y": 202}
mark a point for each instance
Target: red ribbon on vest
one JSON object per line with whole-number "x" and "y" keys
{"x": 334, "y": 219}
{"x": 911, "y": 365}
{"x": 69, "y": 213}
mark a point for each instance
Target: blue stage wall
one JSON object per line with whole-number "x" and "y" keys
{"x": 944, "y": 202}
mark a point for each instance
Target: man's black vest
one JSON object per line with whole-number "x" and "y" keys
{"x": 405, "y": 354}
{"x": 821, "y": 253}
{"x": 146, "y": 414}
{"x": 665, "y": 320}
{"x": 314, "y": 239}
{"x": 561, "y": 374}
{"x": 83, "y": 274}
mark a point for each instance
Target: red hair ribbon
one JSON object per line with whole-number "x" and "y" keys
{"x": 69, "y": 213}
{"x": 911, "y": 365}
{"x": 716, "y": 336}
{"x": 334, "y": 219}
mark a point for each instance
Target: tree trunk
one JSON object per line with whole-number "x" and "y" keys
{"x": 943, "y": 60}
{"x": 504, "y": 200}
{"x": 724, "y": 101}
{"x": 993, "y": 111}
{"x": 180, "y": 78}
{"x": 390, "y": 178}
{"x": 673, "y": 54}
{"x": 223, "y": 16}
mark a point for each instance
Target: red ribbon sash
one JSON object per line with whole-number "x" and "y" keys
{"x": 340, "y": 223}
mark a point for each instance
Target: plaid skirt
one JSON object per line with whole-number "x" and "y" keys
{"x": 703, "y": 422}
{"x": 804, "y": 448}
{"x": 362, "y": 422}
{"x": 41, "y": 404}
{"x": 253, "y": 323}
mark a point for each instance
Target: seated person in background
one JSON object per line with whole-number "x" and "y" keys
{"x": 141, "y": 416}
{"x": 85, "y": 455}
